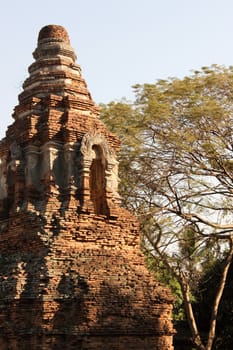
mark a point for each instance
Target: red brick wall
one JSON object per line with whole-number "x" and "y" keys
{"x": 69, "y": 278}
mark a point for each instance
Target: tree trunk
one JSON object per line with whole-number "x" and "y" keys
{"x": 189, "y": 313}
{"x": 218, "y": 297}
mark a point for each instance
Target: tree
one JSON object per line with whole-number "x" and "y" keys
{"x": 204, "y": 298}
{"x": 179, "y": 178}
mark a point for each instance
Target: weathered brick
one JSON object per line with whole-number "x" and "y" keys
{"x": 72, "y": 275}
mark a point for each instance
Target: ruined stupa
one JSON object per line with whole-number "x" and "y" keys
{"x": 72, "y": 275}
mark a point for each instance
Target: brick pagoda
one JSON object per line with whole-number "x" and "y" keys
{"x": 71, "y": 272}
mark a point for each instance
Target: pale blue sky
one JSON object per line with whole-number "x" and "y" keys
{"x": 118, "y": 42}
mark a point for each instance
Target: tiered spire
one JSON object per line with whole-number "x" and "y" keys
{"x": 57, "y": 135}
{"x": 72, "y": 275}
{"x": 55, "y": 71}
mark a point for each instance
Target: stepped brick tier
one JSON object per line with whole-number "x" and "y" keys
{"x": 71, "y": 272}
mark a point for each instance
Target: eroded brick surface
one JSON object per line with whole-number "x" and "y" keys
{"x": 72, "y": 275}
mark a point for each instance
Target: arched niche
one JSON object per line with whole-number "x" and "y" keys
{"x": 97, "y": 180}
{"x": 99, "y": 173}
{"x": 32, "y": 168}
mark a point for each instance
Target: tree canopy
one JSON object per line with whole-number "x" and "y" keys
{"x": 177, "y": 175}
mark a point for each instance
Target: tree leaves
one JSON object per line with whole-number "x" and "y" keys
{"x": 176, "y": 167}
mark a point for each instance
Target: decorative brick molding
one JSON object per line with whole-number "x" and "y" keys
{"x": 72, "y": 275}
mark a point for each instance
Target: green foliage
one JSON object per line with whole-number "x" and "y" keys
{"x": 176, "y": 170}
{"x": 176, "y": 162}
{"x": 188, "y": 241}
{"x": 162, "y": 275}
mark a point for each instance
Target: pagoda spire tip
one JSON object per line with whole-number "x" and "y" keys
{"x": 53, "y": 31}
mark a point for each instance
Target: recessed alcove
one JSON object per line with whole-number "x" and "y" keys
{"x": 98, "y": 181}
